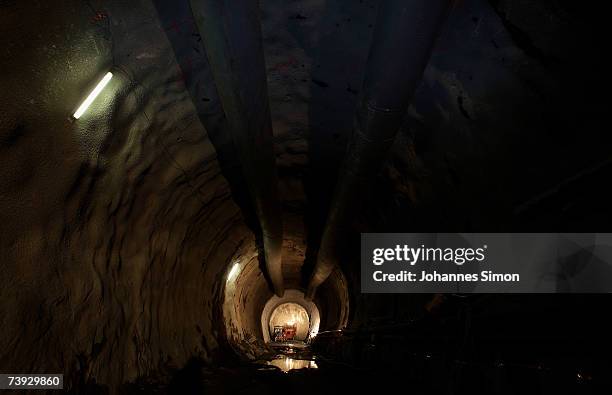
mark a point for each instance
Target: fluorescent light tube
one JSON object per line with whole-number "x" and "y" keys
{"x": 233, "y": 272}
{"x": 92, "y": 96}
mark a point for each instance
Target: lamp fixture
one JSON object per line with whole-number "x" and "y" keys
{"x": 92, "y": 96}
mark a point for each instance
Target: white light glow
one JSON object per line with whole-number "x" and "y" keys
{"x": 92, "y": 96}
{"x": 286, "y": 364}
{"x": 233, "y": 272}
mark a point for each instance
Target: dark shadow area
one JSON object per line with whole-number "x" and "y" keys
{"x": 337, "y": 75}
{"x": 177, "y": 19}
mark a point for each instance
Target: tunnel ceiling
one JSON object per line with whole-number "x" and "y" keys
{"x": 118, "y": 230}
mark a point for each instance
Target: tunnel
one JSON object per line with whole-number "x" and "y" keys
{"x": 185, "y": 184}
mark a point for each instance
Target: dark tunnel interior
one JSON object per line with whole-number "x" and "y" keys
{"x": 185, "y": 233}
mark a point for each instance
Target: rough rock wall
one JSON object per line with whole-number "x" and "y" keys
{"x": 118, "y": 229}
{"x": 246, "y": 291}
{"x": 115, "y": 228}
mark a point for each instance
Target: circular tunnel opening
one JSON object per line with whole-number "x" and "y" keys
{"x": 289, "y": 321}
{"x": 254, "y": 318}
{"x": 290, "y": 318}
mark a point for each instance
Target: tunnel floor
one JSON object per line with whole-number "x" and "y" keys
{"x": 298, "y": 370}
{"x": 311, "y": 375}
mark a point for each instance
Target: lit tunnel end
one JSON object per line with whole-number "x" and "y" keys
{"x": 292, "y": 317}
{"x": 93, "y": 95}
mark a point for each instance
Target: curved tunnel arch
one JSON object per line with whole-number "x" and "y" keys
{"x": 291, "y": 322}
{"x": 292, "y": 296}
{"x": 248, "y": 304}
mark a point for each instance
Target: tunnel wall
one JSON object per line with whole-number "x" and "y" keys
{"x": 334, "y": 301}
{"x": 244, "y": 295}
{"x": 115, "y": 229}
{"x": 118, "y": 229}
